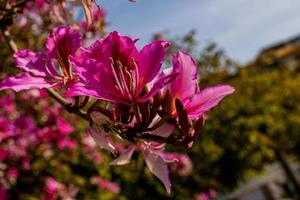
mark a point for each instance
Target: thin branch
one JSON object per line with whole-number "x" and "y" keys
{"x": 58, "y": 98}
{"x": 85, "y": 101}
{"x": 12, "y": 45}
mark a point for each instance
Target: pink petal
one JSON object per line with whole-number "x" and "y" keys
{"x": 158, "y": 167}
{"x": 105, "y": 184}
{"x": 63, "y": 40}
{"x": 185, "y": 85}
{"x": 63, "y": 126}
{"x": 102, "y": 140}
{"x": 80, "y": 89}
{"x": 151, "y": 58}
{"x": 94, "y": 74}
{"x": 125, "y": 157}
{"x": 160, "y": 83}
{"x": 24, "y": 81}
{"x": 31, "y": 62}
{"x": 120, "y": 48}
{"x": 115, "y": 46}
{"x": 207, "y": 99}
{"x": 98, "y": 118}
{"x": 164, "y": 130}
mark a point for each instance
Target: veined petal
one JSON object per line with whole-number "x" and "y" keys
{"x": 64, "y": 41}
{"x": 24, "y": 81}
{"x": 60, "y": 45}
{"x": 185, "y": 85}
{"x": 31, "y": 62}
{"x": 158, "y": 167}
{"x": 160, "y": 83}
{"x": 120, "y": 48}
{"x": 102, "y": 140}
{"x": 151, "y": 58}
{"x": 98, "y": 118}
{"x": 94, "y": 75}
{"x": 80, "y": 89}
{"x": 164, "y": 130}
{"x": 94, "y": 70}
{"x": 125, "y": 157}
{"x": 206, "y": 99}
{"x": 94, "y": 51}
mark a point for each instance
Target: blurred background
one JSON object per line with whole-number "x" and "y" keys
{"x": 249, "y": 148}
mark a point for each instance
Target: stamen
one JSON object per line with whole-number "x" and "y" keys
{"x": 65, "y": 69}
{"x": 115, "y": 76}
{"x": 137, "y": 75}
{"x": 70, "y": 68}
{"x": 51, "y": 73}
{"x": 130, "y": 79}
{"x": 123, "y": 80}
{"x": 133, "y": 82}
{"x": 60, "y": 70}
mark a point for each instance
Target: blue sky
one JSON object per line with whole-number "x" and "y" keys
{"x": 241, "y": 27}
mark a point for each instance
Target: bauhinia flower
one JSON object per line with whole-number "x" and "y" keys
{"x": 113, "y": 69}
{"x": 49, "y": 68}
{"x": 185, "y": 88}
{"x": 154, "y": 157}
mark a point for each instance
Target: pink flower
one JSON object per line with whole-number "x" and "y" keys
{"x": 64, "y": 127}
{"x": 110, "y": 186}
{"x": 113, "y": 69}
{"x": 154, "y": 160}
{"x": 3, "y": 194}
{"x": 185, "y": 88}
{"x": 3, "y": 154}
{"x": 53, "y": 186}
{"x": 12, "y": 173}
{"x": 211, "y": 194}
{"x": 67, "y": 143}
{"x": 180, "y": 163}
{"x": 49, "y": 68}
{"x": 8, "y": 101}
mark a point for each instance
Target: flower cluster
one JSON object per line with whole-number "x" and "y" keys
{"x": 40, "y": 145}
{"x": 33, "y": 10}
{"x": 38, "y": 14}
{"x": 124, "y": 93}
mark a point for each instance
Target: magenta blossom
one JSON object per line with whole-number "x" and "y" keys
{"x": 113, "y": 69}
{"x": 105, "y": 184}
{"x": 185, "y": 88}
{"x": 155, "y": 159}
{"x": 49, "y": 68}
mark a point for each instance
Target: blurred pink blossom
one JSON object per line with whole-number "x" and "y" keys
{"x": 102, "y": 183}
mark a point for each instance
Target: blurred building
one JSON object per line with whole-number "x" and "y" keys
{"x": 268, "y": 186}
{"x": 284, "y": 53}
